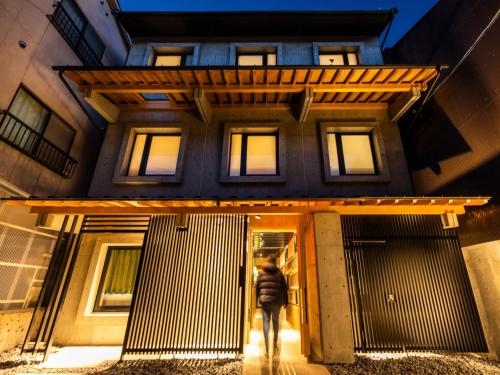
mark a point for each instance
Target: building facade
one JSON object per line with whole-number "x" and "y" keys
{"x": 235, "y": 135}
{"x": 49, "y": 136}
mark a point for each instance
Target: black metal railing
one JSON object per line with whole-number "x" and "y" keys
{"x": 19, "y": 135}
{"x": 76, "y": 37}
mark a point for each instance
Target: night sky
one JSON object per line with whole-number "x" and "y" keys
{"x": 410, "y": 11}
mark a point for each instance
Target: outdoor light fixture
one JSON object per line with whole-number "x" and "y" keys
{"x": 257, "y": 217}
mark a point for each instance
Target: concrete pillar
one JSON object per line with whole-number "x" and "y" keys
{"x": 483, "y": 265}
{"x": 335, "y": 316}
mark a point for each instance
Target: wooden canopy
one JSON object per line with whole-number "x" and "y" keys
{"x": 347, "y": 206}
{"x": 207, "y": 88}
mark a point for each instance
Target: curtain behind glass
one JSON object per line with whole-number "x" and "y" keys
{"x": 121, "y": 272}
{"x": 29, "y": 110}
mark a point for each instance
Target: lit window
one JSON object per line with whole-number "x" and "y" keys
{"x": 253, "y": 154}
{"x": 117, "y": 279}
{"x": 154, "y": 155}
{"x": 172, "y": 60}
{"x": 257, "y": 59}
{"x": 350, "y": 154}
{"x": 340, "y": 58}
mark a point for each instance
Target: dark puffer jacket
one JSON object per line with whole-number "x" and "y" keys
{"x": 271, "y": 286}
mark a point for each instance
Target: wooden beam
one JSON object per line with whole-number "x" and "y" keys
{"x": 305, "y": 104}
{"x": 251, "y": 88}
{"x": 103, "y": 106}
{"x": 403, "y": 103}
{"x": 203, "y": 105}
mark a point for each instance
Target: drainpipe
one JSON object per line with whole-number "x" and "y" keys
{"x": 394, "y": 12}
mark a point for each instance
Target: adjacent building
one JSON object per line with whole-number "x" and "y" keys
{"x": 49, "y": 136}
{"x": 235, "y": 135}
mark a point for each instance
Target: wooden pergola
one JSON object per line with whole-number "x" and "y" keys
{"x": 300, "y": 89}
{"x": 345, "y": 206}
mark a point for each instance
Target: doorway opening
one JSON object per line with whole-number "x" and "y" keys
{"x": 283, "y": 245}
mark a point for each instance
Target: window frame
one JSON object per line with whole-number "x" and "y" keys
{"x": 263, "y": 54}
{"x": 110, "y": 309}
{"x": 341, "y": 155}
{"x": 273, "y": 128}
{"x": 121, "y": 177}
{"x": 369, "y": 127}
{"x": 47, "y": 120}
{"x": 342, "y": 53}
{"x": 147, "y": 150}
{"x": 182, "y": 55}
{"x": 256, "y": 48}
{"x": 332, "y": 48}
{"x": 244, "y": 149}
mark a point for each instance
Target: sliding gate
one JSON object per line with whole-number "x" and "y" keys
{"x": 408, "y": 284}
{"x": 189, "y": 293}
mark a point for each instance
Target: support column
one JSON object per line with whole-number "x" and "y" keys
{"x": 335, "y": 316}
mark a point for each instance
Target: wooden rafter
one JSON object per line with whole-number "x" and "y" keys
{"x": 352, "y": 87}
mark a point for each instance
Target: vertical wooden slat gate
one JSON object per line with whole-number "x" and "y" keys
{"x": 408, "y": 284}
{"x": 189, "y": 292}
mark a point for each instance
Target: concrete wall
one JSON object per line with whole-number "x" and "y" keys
{"x": 293, "y": 53}
{"x": 13, "y": 327}
{"x": 483, "y": 265}
{"x": 335, "y": 313}
{"x": 32, "y": 66}
{"x": 77, "y": 323}
{"x": 202, "y": 163}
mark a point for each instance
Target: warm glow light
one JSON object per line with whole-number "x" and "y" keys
{"x": 82, "y": 356}
{"x": 382, "y": 356}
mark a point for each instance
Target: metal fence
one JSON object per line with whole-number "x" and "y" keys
{"x": 189, "y": 292}
{"x": 408, "y": 284}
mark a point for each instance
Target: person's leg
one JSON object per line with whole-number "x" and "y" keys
{"x": 276, "y": 322}
{"x": 266, "y": 315}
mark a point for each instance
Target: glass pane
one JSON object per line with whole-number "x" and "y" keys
{"x": 154, "y": 96}
{"x": 352, "y": 58}
{"x": 119, "y": 278}
{"x": 358, "y": 157}
{"x": 94, "y": 41}
{"x": 74, "y": 13}
{"x": 168, "y": 60}
{"x": 261, "y": 155}
{"x": 29, "y": 110}
{"x": 235, "y": 155}
{"x": 333, "y": 155}
{"x": 250, "y": 60}
{"x": 59, "y": 133}
{"x": 163, "y": 154}
{"x": 137, "y": 152}
{"x": 331, "y": 59}
{"x": 271, "y": 59}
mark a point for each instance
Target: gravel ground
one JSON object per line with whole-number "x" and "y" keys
{"x": 11, "y": 364}
{"x": 449, "y": 364}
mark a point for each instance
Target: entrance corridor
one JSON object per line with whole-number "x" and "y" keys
{"x": 289, "y": 360}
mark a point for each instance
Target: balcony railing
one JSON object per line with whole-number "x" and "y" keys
{"x": 19, "y": 135}
{"x": 75, "y": 37}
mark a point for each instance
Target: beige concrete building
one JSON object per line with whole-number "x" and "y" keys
{"x": 49, "y": 136}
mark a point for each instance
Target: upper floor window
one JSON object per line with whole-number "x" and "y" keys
{"x": 70, "y": 21}
{"x": 338, "y": 58}
{"x": 173, "y": 59}
{"x": 117, "y": 279}
{"x": 253, "y": 154}
{"x": 350, "y": 154}
{"x": 154, "y": 155}
{"x": 34, "y": 129}
{"x": 248, "y": 55}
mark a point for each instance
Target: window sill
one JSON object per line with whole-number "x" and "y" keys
{"x": 146, "y": 180}
{"x": 253, "y": 179}
{"x": 358, "y": 178}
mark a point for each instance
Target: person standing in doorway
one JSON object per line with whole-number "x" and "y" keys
{"x": 272, "y": 293}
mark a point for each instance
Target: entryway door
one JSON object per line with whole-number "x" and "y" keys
{"x": 409, "y": 288}
{"x": 189, "y": 292}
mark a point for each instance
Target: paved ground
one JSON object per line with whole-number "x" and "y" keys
{"x": 419, "y": 364}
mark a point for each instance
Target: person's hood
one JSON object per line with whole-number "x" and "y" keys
{"x": 270, "y": 268}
